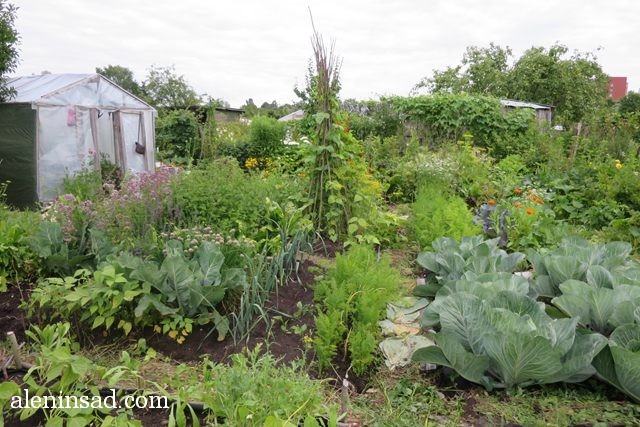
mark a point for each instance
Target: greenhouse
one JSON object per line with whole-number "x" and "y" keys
{"x": 58, "y": 124}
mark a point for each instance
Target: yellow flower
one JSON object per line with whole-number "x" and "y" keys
{"x": 157, "y": 329}
{"x": 173, "y": 334}
{"x": 618, "y": 165}
{"x": 251, "y": 163}
{"x": 180, "y": 340}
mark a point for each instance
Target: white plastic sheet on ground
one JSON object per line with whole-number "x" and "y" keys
{"x": 402, "y": 329}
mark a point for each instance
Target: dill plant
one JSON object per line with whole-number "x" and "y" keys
{"x": 437, "y": 213}
{"x": 352, "y": 299}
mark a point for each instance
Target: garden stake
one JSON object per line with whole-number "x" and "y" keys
{"x": 15, "y": 349}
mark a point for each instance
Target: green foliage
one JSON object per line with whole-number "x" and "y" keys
{"x": 221, "y": 195}
{"x": 482, "y": 71}
{"x": 505, "y": 339}
{"x": 451, "y": 260}
{"x": 352, "y": 299}
{"x": 576, "y": 259}
{"x": 255, "y": 390}
{"x": 372, "y": 118}
{"x": 266, "y": 136}
{"x": 8, "y": 46}
{"x": 575, "y": 85}
{"x": 126, "y": 290}
{"x": 602, "y": 303}
{"x": 57, "y": 371}
{"x": 123, "y": 77}
{"x": 437, "y": 213}
{"x": 164, "y": 88}
{"x": 618, "y": 363}
{"x": 442, "y": 118}
{"x": 630, "y": 103}
{"x": 17, "y": 260}
{"x": 61, "y": 257}
{"x": 178, "y": 136}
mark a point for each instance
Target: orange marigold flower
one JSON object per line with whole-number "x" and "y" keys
{"x": 530, "y": 211}
{"x": 517, "y": 191}
{"x": 491, "y": 202}
{"x": 518, "y": 205}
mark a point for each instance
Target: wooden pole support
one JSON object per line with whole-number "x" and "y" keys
{"x": 15, "y": 349}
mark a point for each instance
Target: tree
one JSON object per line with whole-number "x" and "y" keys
{"x": 123, "y": 77}
{"x": 250, "y": 108}
{"x": 630, "y": 103}
{"x": 165, "y": 88}
{"x": 8, "y": 46}
{"x": 483, "y": 71}
{"x": 575, "y": 85}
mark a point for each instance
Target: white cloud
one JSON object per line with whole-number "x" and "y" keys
{"x": 258, "y": 49}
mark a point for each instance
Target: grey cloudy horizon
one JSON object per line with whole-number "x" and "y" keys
{"x": 261, "y": 49}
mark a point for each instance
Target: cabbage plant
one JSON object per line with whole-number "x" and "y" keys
{"x": 505, "y": 339}
{"x": 619, "y": 362}
{"x": 450, "y": 260}
{"x": 599, "y": 308}
{"x": 578, "y": 259}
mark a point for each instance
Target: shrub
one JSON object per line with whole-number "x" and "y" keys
{"x": 178, "y": 136}
{"x": 266, "y": 136}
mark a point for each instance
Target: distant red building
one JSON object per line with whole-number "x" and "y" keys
{"x": 617, "y": 87}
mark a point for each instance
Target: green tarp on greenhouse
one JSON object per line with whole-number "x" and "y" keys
{"x": 17, "y": 152}
{"x": 59, "y": 124}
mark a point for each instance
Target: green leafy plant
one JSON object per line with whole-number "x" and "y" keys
{"x": 618, "y": 363}
{"x": 352, "y": 298}
{"x": 17, "y": 259}
{"x": 126, "y": 290}
{"x": 601, "y": 303}
{"x": 266, "y": 136}
{"x": 344, "y": 197}
{"x": 57, "y": 371}
{"x": 219, "y": 194}
{"x": 574, "y": 259}
{"x": 507, "y": 340}
{"x": 450, "y": 260}
{"x": 437, "y": 214}
{"x": 446, "y": 117}
{"x": 254, "y": 390}
{"x": 60, "y": 256}
{"x": 178, "y": 136}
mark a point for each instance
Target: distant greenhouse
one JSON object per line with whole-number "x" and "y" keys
{"x": 58, "y": 124}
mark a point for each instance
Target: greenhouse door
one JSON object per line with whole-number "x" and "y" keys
{"x": 130, "y": 139}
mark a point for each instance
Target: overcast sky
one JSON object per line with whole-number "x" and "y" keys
{"x": 259, "y": 49}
